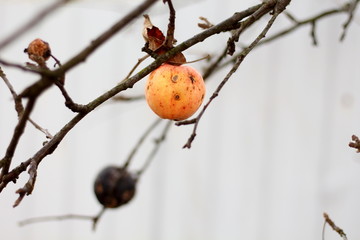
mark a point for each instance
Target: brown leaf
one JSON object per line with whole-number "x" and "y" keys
{"x": 178, "y": 59}
{"x": 152, "y": 34}
{"x": 155, "y": 38}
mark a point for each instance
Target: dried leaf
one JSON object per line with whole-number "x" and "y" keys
{"x": 178, "y": 59}
{"x": 155, "y": 38}
{"x": 152, "y": 34}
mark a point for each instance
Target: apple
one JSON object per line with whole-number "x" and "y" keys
{"x": 174, "y": 92}
{"x": 114, "y": 186}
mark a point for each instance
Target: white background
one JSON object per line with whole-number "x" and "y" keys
{"x": 271, "y": 152}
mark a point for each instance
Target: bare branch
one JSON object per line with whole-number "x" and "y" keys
{"x": 313, "y": 33}
{"x": 169, "y": 41}
{"x": 141, "y": 140}
{"x": 214, "y": 66}
{"x": 75, "y": 107}
{"x": 264, "y": 9}
{"x": 94, "y": 219}
{"x": 291, "y": 17}
{"x": 48, "y": 135}
{"x": 126, "y": 98}
{"x": 351, "y": 9}
{"x": 140, "y": 60}
{"x": 27, "y": 68}
{"x": 297, "y": 25}
{"x": 19, "y": 106}
{"x": 19, "y": 129}
{"x": 29, "y": 186}
{"x": 157, "y": 143}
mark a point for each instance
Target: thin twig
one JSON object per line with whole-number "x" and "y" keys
{"x": 264, "y": 9}
{"x": 351, "y": 10}
{"x": 199, "y": 59}
{"x": 29, "y": 185}
{"x": 48, "y": 135}
{"x": 75, "y": 107}
{"x": 94, "y": 219}
{"x": 291, "y": 17}
{"x": 17, "y": 101}
{"x": 313, "y": 33}
{"x": 24, "y": 68}
{"x": 60, "y": 82}
{"x": 126, "y": 98}
{"x": 294, "y": 27}
{"x": 333, "y": 226}
{"x": 169, "y": 41}
{"x": 140, "y": 141}
{"x": 19, "y": 106}
{"x": 5, "y": 162}
{"x": 157, "y": 143}
{"x": 32, "y": 23}
{"x": 140, "y": 60}
{"x": 212, "y": 67}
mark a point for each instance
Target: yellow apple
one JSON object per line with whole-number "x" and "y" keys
{"x": 174, "y": 92}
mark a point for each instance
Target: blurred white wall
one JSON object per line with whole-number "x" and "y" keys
{"x": 271, "y": 152}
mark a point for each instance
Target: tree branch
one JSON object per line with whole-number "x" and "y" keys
{"x": 99, "y": 41}
{"x": 139, "y": 143}
{"x": 95, "y": 219}
{"x": 296, "y": 25}
{"x": 351, "y": 9}
{"x": 157, "y": 143}
{"x": 19, "y": 129}
{"x": 169, "y": 41}
{"x": 19, "y": 106}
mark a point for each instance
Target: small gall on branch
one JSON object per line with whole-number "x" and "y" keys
{"x": 39, "y": 51}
